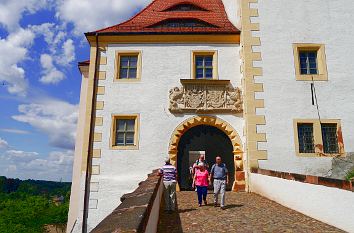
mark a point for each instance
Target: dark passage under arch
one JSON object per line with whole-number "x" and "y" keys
{"x": 204, "y": 138}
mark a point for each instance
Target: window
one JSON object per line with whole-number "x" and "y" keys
{"x": 305, "y": 134}
{"x": 128, "y": 66}
{"x": 310, "y": 62}
{"x": 125, "y": 132}
{"x": 204, "y": 65}
{"x": 329, "y": 137}
{"x": 182, "y": 23}
{"x": 185, "y": 7}
{"x": 315, "y": 138}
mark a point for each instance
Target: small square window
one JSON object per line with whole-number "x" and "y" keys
{"x": 128, "y": 66}
{"x": 329, "y": 138}
{"x": 204, "y": 65}
{"x": 305, "y": 136}
{"x": 310, "y": 62}
{"x": 124, "y": 132}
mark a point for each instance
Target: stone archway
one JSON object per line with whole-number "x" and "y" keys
{"x": 239, "y": 184}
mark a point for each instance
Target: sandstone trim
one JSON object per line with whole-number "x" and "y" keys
{"x": 250, "y": 87}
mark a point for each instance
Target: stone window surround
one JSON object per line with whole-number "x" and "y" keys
{"x": 117, "y": 65}
{"x": 317, "y": 134}
{"x": 116, "y": 117}
{"x": 322, "y": 74}
{"x": 213, "y": 53}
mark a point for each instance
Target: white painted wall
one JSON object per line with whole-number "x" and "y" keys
{"x": 329, "y": 205}
{"x": 76, "y": 198}
{"x": 162, "y": 68}
{"x": 282, "y": 23}
{"x": 232, "y": 11}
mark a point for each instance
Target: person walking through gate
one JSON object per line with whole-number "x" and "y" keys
{"x": 219, "y": 175}
{"x": 169, "y": 173}
{"x": 195, "y": 167}
{"x": 200, "y": 180}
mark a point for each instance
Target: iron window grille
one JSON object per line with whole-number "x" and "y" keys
{"x": 329, "y": 138}
{"x": 308, "y": 62}
{"x": 305, "y": 136}
{"x": 125, "y": 132}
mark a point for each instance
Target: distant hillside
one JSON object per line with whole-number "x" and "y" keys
{"x": 34, "y": 187}
{"x": 27, "y": 206}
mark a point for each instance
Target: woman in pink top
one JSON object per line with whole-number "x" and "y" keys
{"x": 201, "y": 181}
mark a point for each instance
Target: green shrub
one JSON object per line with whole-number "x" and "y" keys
{"x": 350, "y": 175}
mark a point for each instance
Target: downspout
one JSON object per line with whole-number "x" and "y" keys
{"x": 88, "y": 166}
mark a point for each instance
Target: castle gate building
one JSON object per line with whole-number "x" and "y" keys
{"x": 253, "y": 81}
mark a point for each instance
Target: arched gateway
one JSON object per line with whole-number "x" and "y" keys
{"x": 220, "y": 126}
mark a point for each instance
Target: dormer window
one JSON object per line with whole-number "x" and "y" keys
{"x": 185, "y": 7}
{"x": 182, "y": 23}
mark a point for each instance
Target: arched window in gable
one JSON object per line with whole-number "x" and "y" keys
{"x": 185, "y": 7}
{"x": 182, "y": 23}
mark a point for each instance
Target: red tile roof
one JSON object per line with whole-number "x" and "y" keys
{"x": 211, "y": 13}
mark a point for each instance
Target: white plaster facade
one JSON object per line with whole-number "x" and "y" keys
{"x": 163, "y": 65}
{"x": 282, "y": 23}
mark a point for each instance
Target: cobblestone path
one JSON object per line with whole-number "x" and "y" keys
{"x": 245, "y": 212}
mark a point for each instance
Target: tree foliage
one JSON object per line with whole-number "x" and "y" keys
{"x": 26, "y": 206}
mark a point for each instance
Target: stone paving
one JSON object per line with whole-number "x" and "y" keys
{"x": 245, "y": 212}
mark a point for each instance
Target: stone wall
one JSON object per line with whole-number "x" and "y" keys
{"x": 342, "y": 166}
{"x": 135, "y": 211}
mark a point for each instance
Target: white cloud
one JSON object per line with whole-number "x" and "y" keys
{"x": 88, "y": 15}
{"x": 20, "y": 156}
{"x": 11, "y": 11}
{"x": 25, "y": 165}
{"x": 51, "y": 75}
{"x": 53, "y": 34}
{"x": 3, "y": 143}
{"x": 15, "y": 131}
{"x": 57, "y": 119}
{"x": 14, "y": 50}
{"x": 68, "y": 53}
{"x": 61, "y": 52}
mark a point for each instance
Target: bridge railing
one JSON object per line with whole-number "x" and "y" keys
{"x": 139, "y": 210}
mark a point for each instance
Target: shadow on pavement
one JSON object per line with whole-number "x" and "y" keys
{"x": 186, "y": 210}
{"x": 170, "y": 221}
{"x": 232, "y": 206}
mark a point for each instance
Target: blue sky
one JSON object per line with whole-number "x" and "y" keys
{"x": 41, "y": 42}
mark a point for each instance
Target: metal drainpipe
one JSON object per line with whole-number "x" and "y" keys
{"x": 87, "y": 179}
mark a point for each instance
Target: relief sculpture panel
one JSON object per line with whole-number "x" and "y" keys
{"x": 205, "y": 96}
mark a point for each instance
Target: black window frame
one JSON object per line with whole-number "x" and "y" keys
{"x": 306, "y": 142}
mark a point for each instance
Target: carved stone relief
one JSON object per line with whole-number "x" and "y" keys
{"x": 205, "y": 97}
